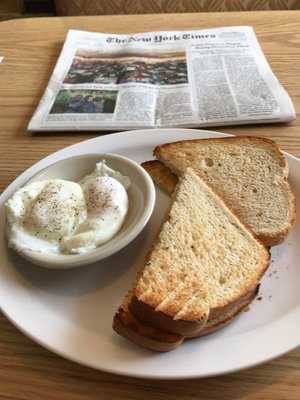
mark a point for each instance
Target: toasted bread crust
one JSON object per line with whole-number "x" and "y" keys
{"x": 159, "y": 320}
{"x": 126, "y": 325}
{"x": 157, "y": 172}
{"x": 219, "y": 322}
{"x": 146, "y": 314}
{"x": 161, "y": 175}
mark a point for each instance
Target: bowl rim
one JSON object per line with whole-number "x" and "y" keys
{"x": 66, "y": 261}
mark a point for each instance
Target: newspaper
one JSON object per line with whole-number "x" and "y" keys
{"x": 193, "y": 78}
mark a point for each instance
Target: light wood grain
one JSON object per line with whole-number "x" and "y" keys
{"x": 30, "y": 48}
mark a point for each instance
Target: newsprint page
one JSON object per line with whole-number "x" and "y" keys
{"x": 193, "y": 78}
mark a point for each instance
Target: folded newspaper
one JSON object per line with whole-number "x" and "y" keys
{"x": 160, "y": 79}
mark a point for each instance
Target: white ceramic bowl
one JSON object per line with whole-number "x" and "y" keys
{"x": 141, "y": 194}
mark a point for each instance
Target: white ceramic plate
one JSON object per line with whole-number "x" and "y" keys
{"x": 70, "y": 312}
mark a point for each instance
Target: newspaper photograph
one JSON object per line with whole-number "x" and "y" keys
{"x": 194, "y": 78}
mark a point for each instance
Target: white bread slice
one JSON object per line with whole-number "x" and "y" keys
{"x": 249, "y": 173}
{"x": 202, "y": 264}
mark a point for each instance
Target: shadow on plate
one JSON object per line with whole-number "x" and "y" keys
{"x": 80, "y": 280}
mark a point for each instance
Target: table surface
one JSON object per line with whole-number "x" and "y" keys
{"x": 30, "y": 48}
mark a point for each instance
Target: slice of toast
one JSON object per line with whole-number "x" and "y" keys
{"x": 249, "y": 173}
{"x": 203, "y": 266}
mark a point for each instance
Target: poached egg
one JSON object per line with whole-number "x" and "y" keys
{"x": 60, "y": 216}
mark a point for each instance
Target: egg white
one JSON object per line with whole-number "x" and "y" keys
{"x": 59, "y": 216}
{"x": 107, "y": 206}
{"x": 40, "y": 214}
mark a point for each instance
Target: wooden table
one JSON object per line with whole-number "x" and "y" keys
{"x": 30, "y": 48}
